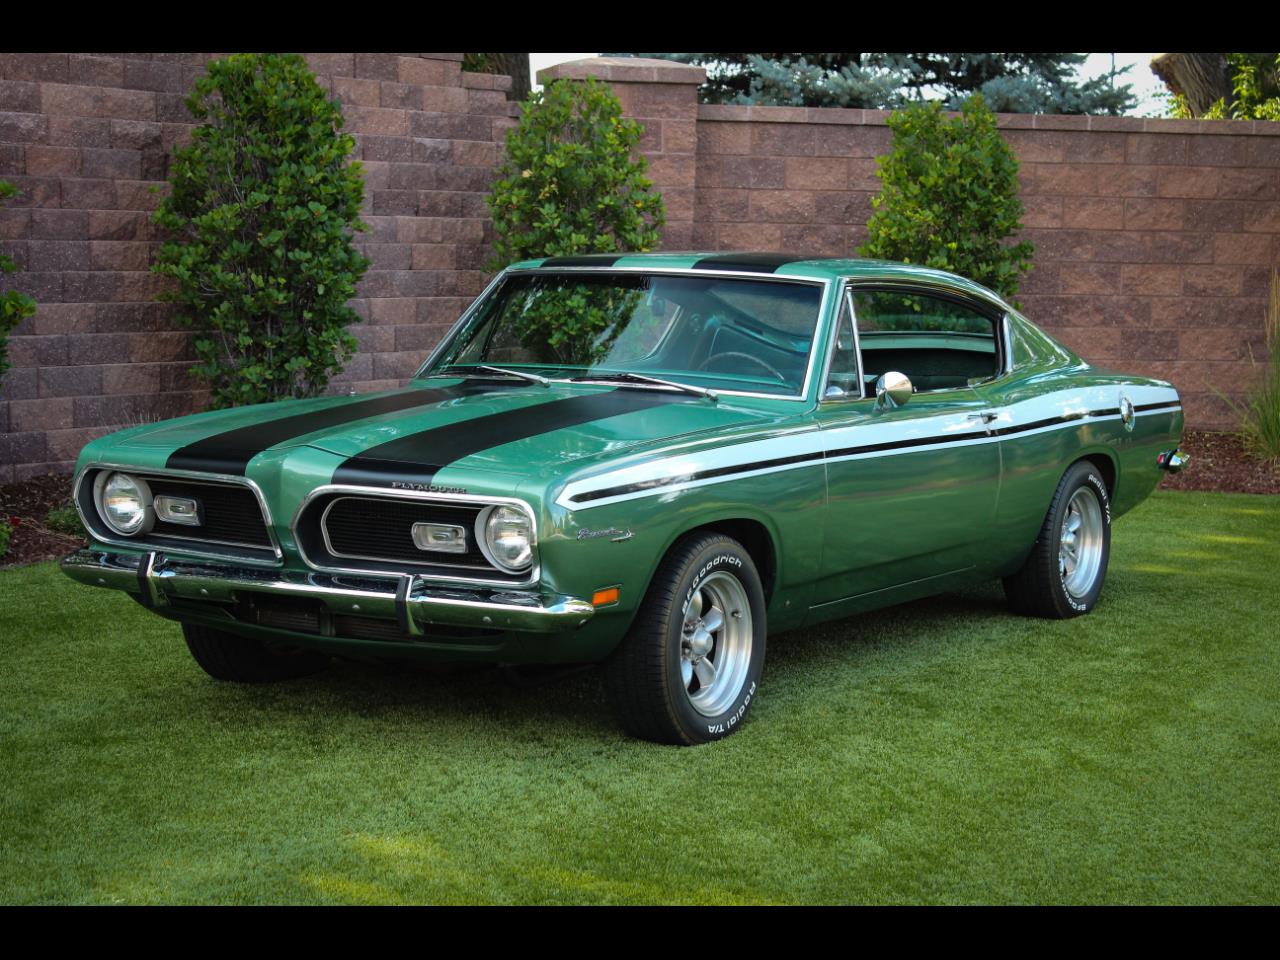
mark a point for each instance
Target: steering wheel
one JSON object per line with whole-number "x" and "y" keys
{"x": 706, "y": 364}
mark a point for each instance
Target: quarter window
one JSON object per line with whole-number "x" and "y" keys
{"x": 938, "y": 343}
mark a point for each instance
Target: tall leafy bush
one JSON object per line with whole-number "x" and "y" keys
{"x": 13, "y": 305}
{"x": 262, "y": 209}
{"x": 570, "y": 182}
{"x": 949, "y": 197}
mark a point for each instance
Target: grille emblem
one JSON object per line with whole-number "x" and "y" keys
{"x": 440, "y": 537}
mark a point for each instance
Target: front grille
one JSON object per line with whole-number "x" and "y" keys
{"x": 231, "y": 518}
{"x": 356, "y": 531}
{"x": 229, "y": 513}
{"x": 382, "y": 530}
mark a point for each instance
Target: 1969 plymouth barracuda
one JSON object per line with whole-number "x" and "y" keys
{"x": 651, "y": 462}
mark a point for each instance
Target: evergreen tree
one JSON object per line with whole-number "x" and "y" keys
{"x": 1008, "y": 82}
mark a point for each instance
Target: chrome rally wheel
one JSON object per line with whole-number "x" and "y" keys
{"x": 715, "y": 645}
{"x": 1080, "y": 545}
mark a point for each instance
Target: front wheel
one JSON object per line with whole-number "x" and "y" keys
{"x": 1063, "y": 575}
{"x": 689, "y": 668}
{"x": 226, "y": 656}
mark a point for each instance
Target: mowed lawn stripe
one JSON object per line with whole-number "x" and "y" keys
{"x": 942, "y": 751}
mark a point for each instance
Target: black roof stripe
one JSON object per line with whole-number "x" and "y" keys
{"x": 747, "y": 262}
{"x": 585, "y": 260}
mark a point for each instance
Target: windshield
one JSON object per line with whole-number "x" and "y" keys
{"x": 714, "y": 332}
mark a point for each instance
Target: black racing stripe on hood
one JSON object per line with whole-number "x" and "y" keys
{"x": 586, "y": 260}
{"x": 419, "y": 456}
{"x": 230, "y": 452}
{"x": 746, "y": 262}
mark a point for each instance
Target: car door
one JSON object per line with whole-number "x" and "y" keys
{"x": 912, "y": 488}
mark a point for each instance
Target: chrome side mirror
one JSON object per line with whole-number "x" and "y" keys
{"x": 893, "y": 389}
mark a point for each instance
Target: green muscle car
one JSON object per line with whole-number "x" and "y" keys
{"x": 650, "y": 462}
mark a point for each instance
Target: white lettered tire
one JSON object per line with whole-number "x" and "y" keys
{"x": 1064, "y": 573}
{"x": 689, "y": 669}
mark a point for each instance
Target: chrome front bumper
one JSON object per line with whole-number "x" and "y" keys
{"x": 157, "y": 580}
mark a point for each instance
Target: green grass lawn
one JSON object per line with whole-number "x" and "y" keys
{"x": 942, "y": 751}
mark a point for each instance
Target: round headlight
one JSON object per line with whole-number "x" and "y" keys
{"x": 507, "y": 538}
{"x": 124, "y": 503}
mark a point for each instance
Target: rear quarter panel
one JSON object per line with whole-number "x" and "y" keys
{"x": 1033, "y": 460}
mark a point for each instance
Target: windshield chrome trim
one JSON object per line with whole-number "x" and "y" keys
{"x": 457, "y": 325}
{"x": 802, "y": 397}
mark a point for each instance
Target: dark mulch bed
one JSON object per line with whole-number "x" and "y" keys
{"x": 25, "y": 505}
{"x": 1219, "y": 462}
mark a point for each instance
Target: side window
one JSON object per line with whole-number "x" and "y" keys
{"x": 938, "y": 343}
{"x": 843, "y": 376}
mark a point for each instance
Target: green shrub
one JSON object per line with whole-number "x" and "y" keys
{"x": 949, "y": 197}
{"x": 13, "y": 305}
{"x": 1260, "y": 413}
{"x": 6, "y": 532}
{"x": 569, "y": 184}
{"x": 262, "y": 209}
{"x": 65, "y": 519}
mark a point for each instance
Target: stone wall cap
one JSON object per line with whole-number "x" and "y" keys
{"x": 1005, "y": 121}
{"x": 624, "y": 70}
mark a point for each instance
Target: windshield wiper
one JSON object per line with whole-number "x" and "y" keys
{"x": 641, "y": 378}
{"x": 532, "y": 377}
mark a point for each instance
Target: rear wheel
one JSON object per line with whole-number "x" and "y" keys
{"x": 689, "y": 668}
{"x": 1063, "y": 575}
{"x": 226, "y": 656}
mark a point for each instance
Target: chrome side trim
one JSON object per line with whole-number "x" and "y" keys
{"x": 209, "y": 479}
{"x": 535, "y": 571}
{"x": 384, "y": 597}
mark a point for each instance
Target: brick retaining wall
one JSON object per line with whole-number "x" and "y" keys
{"x": 1155, "y": 238}
{"x": 86, "y": 138}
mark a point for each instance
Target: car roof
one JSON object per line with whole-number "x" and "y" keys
{"x": 777, "y": 264}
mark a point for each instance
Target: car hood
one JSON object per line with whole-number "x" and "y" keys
{"x": 433, "y": 427}
{"x": 523, "y": 432}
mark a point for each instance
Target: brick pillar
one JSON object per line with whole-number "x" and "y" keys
{"x": 663, "y": 96}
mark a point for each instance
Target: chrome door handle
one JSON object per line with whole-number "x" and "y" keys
{"x": 986, "y": 416}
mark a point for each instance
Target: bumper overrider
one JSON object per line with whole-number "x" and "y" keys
{"x": 157, "y": 580}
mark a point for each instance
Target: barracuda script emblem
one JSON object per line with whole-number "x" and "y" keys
{"x": 613, "y": 533}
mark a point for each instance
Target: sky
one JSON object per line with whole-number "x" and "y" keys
{"x": 1145, "y": 84}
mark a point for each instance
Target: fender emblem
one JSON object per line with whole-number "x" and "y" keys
{"x": 613, "y": 533}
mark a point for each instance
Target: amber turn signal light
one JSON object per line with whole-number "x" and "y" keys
{"x": 602, "y": 598}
